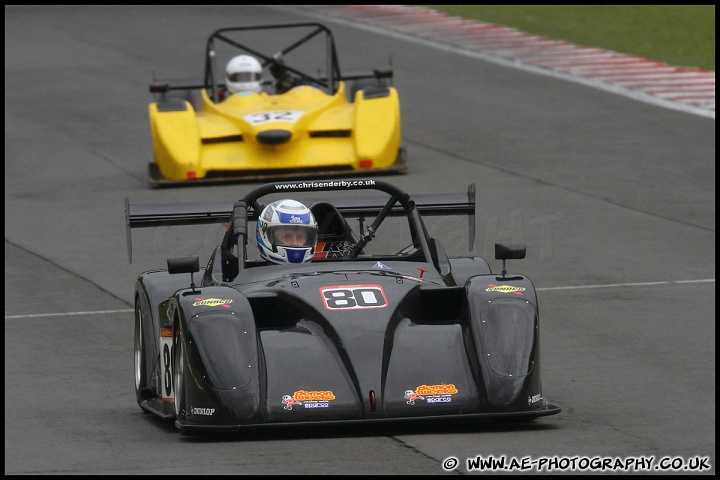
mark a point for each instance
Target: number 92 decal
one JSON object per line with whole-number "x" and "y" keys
{"x": 353, "y": 297}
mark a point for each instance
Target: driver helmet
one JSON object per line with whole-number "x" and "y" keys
{"x": 286, "y": 232}
{"x": 242, "y": 74}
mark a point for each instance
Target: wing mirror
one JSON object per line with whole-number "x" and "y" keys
{"x": 189, "y": 265}
{"x": 509, "y": 251}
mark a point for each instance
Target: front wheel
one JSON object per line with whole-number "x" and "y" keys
{"x": 358, "y": 85}
{"x": 179, "y": 375}
{"x": 141, "y": 377}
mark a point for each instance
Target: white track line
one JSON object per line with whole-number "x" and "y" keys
{"x": 578, "y": 287}
{"x": 69, "y": 314}
{"x": 638, "y": 284}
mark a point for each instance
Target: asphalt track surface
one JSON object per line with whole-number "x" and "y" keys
{"x": 614, "y": 197}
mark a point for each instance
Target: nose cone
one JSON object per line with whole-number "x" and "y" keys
{"x": 274, "y": 137}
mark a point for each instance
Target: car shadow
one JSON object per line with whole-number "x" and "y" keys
{"x": 370, "y": 429}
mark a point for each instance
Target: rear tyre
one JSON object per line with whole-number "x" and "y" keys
{"x": 154, "y": 171}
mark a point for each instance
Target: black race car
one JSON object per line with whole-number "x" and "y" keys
{"x": 381, "y": 326}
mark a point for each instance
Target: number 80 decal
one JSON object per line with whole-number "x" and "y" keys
{"x": 353, "y": 297}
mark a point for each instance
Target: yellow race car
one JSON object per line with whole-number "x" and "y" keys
{"x": 267, "y": 116}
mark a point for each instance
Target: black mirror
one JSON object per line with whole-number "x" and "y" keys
{"x": 509, "y": 251}
{"x": 183, "y": 264}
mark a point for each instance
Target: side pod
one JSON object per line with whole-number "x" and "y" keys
{"x": 219, "y": 334}
{"x": 504, "y": 322}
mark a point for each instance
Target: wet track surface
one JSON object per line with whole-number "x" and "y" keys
{"x": 614, "y": 197}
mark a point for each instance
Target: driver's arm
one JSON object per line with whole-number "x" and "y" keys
{"x": 284, "y": 80}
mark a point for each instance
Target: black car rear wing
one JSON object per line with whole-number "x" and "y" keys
{"x": 143, "y": 215}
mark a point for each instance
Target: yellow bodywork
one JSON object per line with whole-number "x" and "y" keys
{"x": 328, "y": 133}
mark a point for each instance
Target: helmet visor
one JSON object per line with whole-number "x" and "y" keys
{"x": 244, "y": 77}
{"x": 293, "y": 235}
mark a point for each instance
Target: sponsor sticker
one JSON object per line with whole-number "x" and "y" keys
{"x": 314, "y": 395}
{"x": 431, "y": 393}
{"x": 505, "y": 289}
{"x": 212, "y": 302}
{"x": 440, "y": 399}
{"x": 333, "y": 249}
{"x": 202, "y": 411}
{"x": 308, "y": 399}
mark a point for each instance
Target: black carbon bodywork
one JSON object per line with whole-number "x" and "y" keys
{"x": 355, "y": 339}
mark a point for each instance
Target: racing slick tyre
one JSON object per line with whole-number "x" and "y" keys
{"x": 186, "y": 95}
{"x": 154, "y": 174}
{"x": 179, "y": 374}
{"x": 141, "y": 377}
{"x": 358, "y": 85}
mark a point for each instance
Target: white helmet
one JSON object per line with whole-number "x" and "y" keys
{"x": 243, "y": 74}
{"x": 286, "y": 232}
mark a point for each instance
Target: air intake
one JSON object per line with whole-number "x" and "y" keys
{"x": 274, "y": 137}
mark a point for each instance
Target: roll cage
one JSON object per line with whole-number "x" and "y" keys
{"x": 328, "y": 83}
{"x": 399, "y": 203}
{"x": 234, "y": 245}
{"x": 213, "y": 77}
